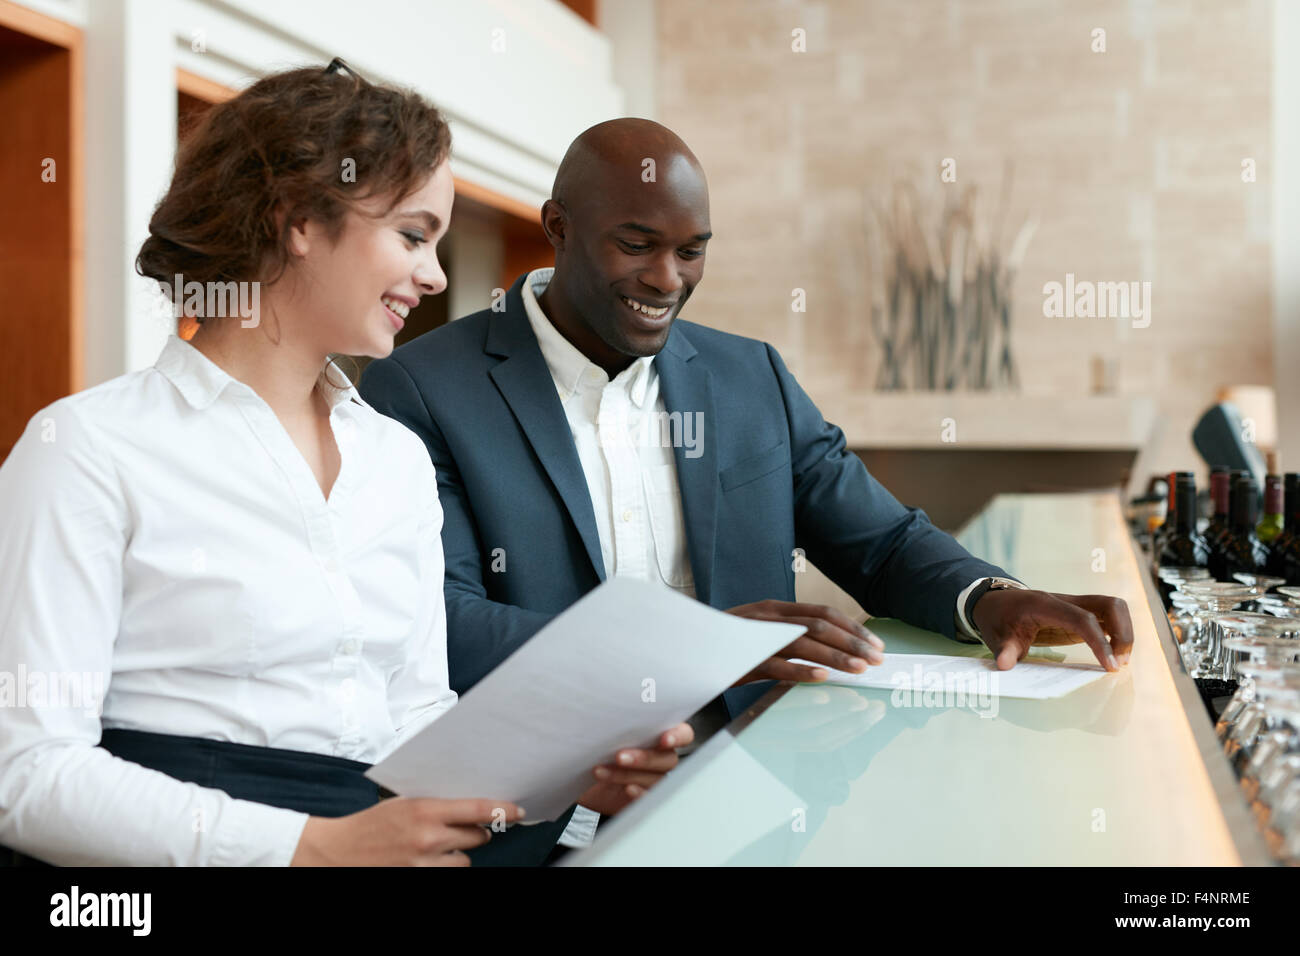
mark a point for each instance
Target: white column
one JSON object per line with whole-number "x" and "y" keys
{"x": 633, "y": 32}
{"x": 130, "y": 144}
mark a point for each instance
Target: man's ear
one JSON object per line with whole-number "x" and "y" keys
{"x": 555, "y": 223}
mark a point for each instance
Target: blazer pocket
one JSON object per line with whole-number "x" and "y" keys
{"x": 751, "y": 469}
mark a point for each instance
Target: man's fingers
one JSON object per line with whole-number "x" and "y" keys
{"x": 777, "y": 668}
{"x": 790, "y": 610}
{"x": 1113, "y": 614}
{"x": 827, "y": 644}
{"x": 1010, "y": 652}
{"x": 1073, "y": 618}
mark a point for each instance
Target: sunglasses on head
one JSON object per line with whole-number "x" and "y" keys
{"x": 338, "y": 63}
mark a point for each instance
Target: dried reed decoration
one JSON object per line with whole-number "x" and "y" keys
{"x": 941, "y": 289}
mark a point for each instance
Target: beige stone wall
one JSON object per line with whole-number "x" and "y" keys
{"x": 1130, "y": 159}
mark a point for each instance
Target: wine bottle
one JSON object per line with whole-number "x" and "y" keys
{"x": 1284, "y": 554}
{"x": 1182, "y": 546}
{"x": 1219, "y": 477}
{"x": 1239, "y": 549}
{"x": 1272, "y": 522}
{"x": 1167, "y": 527}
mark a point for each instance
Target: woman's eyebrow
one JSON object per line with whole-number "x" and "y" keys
{"x": 432, "y": 221}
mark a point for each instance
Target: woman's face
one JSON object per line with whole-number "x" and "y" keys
{"x": 354, "y": 294}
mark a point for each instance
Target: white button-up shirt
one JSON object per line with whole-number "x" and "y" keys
{"x": 619, "y": 428}
{"x": 627, "y": 460}
{"x": 168, "y": 563}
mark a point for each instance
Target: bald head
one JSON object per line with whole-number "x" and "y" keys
{"x": 628, "y": 218}
{"x": 623, "y": 154}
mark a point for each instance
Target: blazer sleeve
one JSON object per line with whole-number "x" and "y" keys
{"x": 890, "y": 557}
{"x": 481, "y": 633}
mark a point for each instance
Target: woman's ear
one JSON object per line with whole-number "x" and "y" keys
{"x": 301, "y": 234}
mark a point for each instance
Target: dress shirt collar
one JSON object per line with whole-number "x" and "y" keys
{"x": 200, "y": 380}
{"x": 571, "y": 370}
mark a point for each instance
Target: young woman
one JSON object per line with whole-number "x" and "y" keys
{"x": 223, "y": 573}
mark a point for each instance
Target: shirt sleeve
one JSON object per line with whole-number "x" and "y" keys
{"x": 64, "y": 531}
{"x": 419, "y": 691}
{"x": 967, "y": 632}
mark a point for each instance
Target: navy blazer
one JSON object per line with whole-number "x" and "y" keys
{"x": 770, "y": 475}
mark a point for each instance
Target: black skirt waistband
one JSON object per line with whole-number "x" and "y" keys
{"x": 318, "y": 784}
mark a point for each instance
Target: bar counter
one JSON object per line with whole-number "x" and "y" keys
{"x": 1124, "y": 771}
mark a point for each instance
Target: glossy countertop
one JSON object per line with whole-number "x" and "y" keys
{"x": 1120, "y": 772}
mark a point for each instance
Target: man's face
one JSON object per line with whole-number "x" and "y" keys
{"x": 635, "y": 252}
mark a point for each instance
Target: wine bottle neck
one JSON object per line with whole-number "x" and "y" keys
{"x": 1185, "y": 507}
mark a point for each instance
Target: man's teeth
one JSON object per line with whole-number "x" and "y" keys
{"x": 401, "y": 308}
{"x": 644, "y": 309}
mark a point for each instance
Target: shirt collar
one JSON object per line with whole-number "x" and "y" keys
{"x": 201, "y": 381}
{"x": 570, "y": 369}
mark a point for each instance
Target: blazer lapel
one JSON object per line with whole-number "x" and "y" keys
{"x": 686, "y": 387}
{"x": 525, "y": 383}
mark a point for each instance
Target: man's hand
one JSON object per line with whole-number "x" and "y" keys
{"x": 1011, "y": 621}
{"x": 634, "y": 771}
{"x": 832, "y": 638}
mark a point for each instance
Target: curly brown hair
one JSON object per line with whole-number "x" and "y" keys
{"x": 277, "y": 153}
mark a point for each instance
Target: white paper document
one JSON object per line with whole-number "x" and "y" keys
{"x": 975, "y": 676}
{"x": 627, "y": 662}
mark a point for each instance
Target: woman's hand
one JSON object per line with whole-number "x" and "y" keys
{"x": 403, "y": 831}
{"x": 634, "y": 771}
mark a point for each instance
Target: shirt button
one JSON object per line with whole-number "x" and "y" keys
{"x": 331, "y": 565}
{"x": 627, "y": 514}
{"x": 350, "y": 647}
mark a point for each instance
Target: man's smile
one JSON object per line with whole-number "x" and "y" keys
{"x": 647, "y": 315}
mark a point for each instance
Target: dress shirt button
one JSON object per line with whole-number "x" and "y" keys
{"x": 350, "y": 647}
{"x": 331, "y": 565}
{"x": 627, "y": 514}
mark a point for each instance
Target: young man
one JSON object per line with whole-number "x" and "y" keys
{"x": 585, "y": 431}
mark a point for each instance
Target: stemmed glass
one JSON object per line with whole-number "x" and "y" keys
{"x": 1182, "y": 611}
{"x": 1277, "y": 688}
{"x": 1175, "y": 574}
{"x": 1265, "y": 582}
{"x": 1202, "y": 652}
{"x": 1286, "y": 600}
{"x": 1171, "y": 578}
{"x": 1277, "y": 800}
{"x": 1269, "y": 652}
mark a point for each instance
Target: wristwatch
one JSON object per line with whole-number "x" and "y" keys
{"x": 988, "y": 584}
